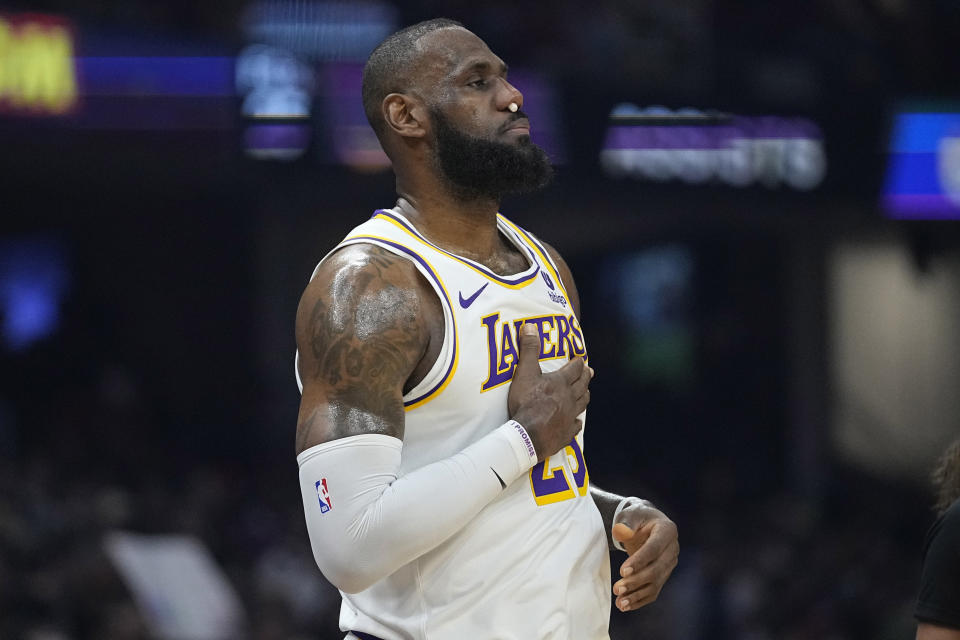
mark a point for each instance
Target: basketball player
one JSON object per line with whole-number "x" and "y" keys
{"x": 938, "y": 604}
{"x": 444, "y": 384}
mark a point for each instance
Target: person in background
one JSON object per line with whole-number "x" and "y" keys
{"x": 938, "y": 604}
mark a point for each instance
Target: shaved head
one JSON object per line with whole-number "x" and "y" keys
{"x": 388, "y": 67}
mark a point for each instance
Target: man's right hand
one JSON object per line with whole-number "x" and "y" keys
{"x": 547, "y": 404}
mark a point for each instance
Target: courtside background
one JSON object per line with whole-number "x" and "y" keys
{"x": 771, "y": 301}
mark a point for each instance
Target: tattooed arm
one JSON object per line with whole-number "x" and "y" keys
{"x": 368, "y": 329}
{"x": 365, "y": 325}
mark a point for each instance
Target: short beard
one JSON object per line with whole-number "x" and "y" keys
{"x": 480, "y": 169}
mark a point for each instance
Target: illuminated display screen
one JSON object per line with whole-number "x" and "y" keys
{"x": 737, "y": 150}
{"x": 923, "y": 170}
{"x": 321, "y": 31}
{"x": 37, "y": 72}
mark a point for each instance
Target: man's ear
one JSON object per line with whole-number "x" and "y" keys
{"x": 405, "y": 115}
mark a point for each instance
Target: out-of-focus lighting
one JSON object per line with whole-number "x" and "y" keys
{"x": 352, "y": 140}
{"x": 650, "y": 293}
{"x": 37, "y": 71}
{"x": 273, "y": 83}
{"x": 177, "y": 585}
{"x": 157, "y": 76}
{"x": 321, "y": 31}
{"x": 277, "y": 90}
{"x": 692, "y": 146}
{"x": 276, "y": 141}
{"x": 156, "y": 92}
{"x": 32, "y": 282}
{"x": 275, "y": 77}
{"x": 923, "y": 174}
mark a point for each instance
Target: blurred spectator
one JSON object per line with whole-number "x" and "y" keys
{"x": 776, "y": 568}
{"x": 938, "y": 605}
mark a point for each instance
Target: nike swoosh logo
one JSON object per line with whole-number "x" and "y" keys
{"x": 547, "y": 279}
{"x": 503, "y": 485}
{"x": 469, "y": 301}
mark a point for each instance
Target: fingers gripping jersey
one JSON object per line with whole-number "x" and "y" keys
{"x": 533, "y": 563}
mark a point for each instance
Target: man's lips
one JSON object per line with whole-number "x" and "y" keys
{"x": 520, "y": 125}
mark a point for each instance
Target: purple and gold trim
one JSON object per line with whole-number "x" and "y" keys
{"x": 540, "y": 250}
{"x": 547, "y": 260}
{"x": 514, "y": 282}
{"x": 448, "y": 374}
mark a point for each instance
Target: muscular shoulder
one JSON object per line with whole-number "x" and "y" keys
{"x": 361, "y": 332}
{"x": 363, "y": 288}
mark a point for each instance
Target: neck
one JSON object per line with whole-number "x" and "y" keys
{"x": 465, "y": 227}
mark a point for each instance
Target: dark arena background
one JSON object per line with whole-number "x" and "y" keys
{"x": 759, "y": 201}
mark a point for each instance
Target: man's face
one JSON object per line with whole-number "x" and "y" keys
{"x": 481, "y": 148}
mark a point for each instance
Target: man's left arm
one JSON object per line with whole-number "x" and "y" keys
{"x": 650, "y": 540}
{"x": 635, "y": 526}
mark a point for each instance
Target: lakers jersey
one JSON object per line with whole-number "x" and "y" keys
{"x": 533, "y": 564}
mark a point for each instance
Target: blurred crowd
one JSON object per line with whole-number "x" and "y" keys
{"x": 775, "y": 567}
{"x": 105, "y": 463}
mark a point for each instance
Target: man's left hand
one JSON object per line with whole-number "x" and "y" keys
{"x": 653, "y": 545}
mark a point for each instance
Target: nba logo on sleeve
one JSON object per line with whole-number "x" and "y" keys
{"x": 323, "y": 495}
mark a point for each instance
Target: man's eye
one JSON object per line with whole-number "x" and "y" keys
{"x": 477, "y": 83}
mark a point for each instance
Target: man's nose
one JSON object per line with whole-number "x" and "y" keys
{"x": 510, "y": 94}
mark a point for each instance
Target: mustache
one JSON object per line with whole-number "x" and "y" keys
{"x": 518, "y": 115}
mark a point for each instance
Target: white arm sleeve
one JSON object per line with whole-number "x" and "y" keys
{"x": 365, "y": 522}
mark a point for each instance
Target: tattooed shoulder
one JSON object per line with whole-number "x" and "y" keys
{"x": 360, "y": 334}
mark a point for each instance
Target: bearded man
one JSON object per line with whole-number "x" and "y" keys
{"x": 444, "y": 380}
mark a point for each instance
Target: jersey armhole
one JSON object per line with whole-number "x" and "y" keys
{"x": 443, "y": 368}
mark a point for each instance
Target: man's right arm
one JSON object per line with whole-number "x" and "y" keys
{"x": 363, "y": 328}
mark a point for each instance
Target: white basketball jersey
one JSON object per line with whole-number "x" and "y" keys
{"x": 533, "y": 564}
